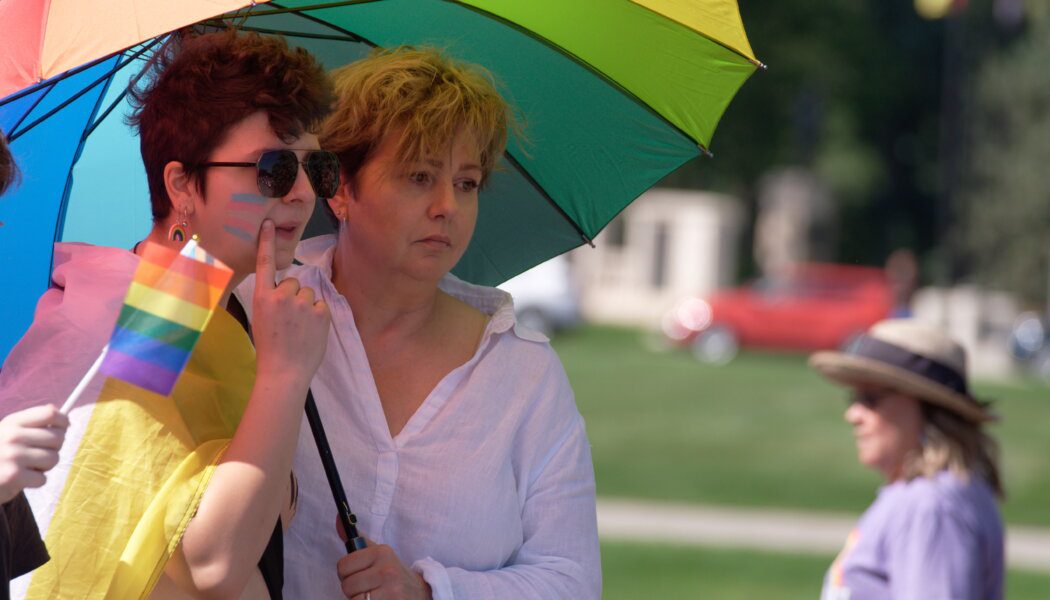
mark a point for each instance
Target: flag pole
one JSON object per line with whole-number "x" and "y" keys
{"x": 84, "y": 381}
{"x": 354, "y": 541}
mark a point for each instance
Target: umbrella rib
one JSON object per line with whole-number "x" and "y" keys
{"x": 106, "y": 112}
{"x": 303, "y": 34}
{"x": 539, "y": 188}
{"x": 336, "y": 27}
{"x": 53, "y": 80}
{"x": 60, "y": 223}
{"x": 280, "y": 10}
{"x": 32, "y": 108}
{"x": 349, "y": 35}
{"x": 83, "y": 91}
{"x": 134, "y": 80}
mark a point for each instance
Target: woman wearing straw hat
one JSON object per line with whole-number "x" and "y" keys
{"x": 934, "y": 531}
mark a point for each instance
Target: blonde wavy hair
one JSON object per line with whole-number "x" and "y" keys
{"x": 954, "y": 443}
{"x": 423, "y": 93}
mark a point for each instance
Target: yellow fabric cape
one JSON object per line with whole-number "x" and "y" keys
{"x": 140, "y": 471}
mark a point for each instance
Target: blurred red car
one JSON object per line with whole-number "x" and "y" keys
{"x": 812, "y": 306}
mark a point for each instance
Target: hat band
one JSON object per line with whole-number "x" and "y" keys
{"x": 869, "y": 347}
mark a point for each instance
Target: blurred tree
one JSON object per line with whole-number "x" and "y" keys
{"x": 853, "y": 94}
{"x": 1007, "y": 187}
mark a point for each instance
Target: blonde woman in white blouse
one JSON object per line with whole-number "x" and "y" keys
{"x": 455, "y": 429}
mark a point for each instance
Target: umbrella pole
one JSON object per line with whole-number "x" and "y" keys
{"x": 353, "y": 540}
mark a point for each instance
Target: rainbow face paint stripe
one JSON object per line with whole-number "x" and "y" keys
{"x": 238, "y": 231}
{"x": 244, "y": 215}
{"x": 168, "y": 304}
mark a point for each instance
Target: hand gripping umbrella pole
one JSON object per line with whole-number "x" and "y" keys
{"x": 353, "y": 540}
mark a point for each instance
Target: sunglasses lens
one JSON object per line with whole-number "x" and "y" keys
{"x": 322, "y": 168}
{"x": 865, "y": 399}
{"x": 277, "y": 172}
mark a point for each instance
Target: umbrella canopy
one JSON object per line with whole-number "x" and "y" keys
{"x": 614, "y": 95}
{"x": 43, "y": 39}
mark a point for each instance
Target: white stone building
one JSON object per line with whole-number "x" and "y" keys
{"x": 665, "y": 245}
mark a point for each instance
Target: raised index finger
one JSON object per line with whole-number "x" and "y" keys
{"x": 265, "y": 270}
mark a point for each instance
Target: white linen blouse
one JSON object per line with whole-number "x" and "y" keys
{"x": 488, "y": 491}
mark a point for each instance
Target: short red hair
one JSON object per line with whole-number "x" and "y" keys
{"x": 202, "y": 84}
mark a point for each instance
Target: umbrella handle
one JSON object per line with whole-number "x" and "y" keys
{"x": 353, "y": 540}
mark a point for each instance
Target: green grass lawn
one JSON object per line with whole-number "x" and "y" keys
{"x": 633, "y": 571}
{"x": 761, "y": 431}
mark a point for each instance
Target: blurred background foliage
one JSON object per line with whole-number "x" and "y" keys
{"x": 1008, "y": 181}
{"x": 929, "y": 133}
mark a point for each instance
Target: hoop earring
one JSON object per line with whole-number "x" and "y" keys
{"x": 177, "y": 232}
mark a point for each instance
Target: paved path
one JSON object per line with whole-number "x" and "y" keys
{"x": 771, "y": 529}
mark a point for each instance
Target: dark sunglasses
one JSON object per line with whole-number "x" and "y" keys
{"x": 867, "y": 398}
{"x": 278, "y": 170}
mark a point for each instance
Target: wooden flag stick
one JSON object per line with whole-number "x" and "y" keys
{"x": 84, "y": 381}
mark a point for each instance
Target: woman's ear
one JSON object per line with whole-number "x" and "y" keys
{"x": 342, "y": 200}
{"x": 181, "y": 188}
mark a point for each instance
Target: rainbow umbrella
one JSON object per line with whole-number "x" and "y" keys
{"x": 615, "y": 95}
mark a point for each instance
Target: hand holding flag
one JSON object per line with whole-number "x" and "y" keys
{"x": 29, "y": 444}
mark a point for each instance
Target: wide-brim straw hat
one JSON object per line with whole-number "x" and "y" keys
{"x": 910, "y": 357}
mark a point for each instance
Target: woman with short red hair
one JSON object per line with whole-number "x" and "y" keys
{"x": 228, "y": 136}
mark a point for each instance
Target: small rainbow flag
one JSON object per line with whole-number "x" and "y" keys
{"x": 169, "y": 302}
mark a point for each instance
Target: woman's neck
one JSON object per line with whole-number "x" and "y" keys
{"x": 384, "y": 304}
{"x": 159, "y": 235}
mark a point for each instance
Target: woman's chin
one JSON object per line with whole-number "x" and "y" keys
{"x": 428, "y": 270}
{"x": 868, "y": 458}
